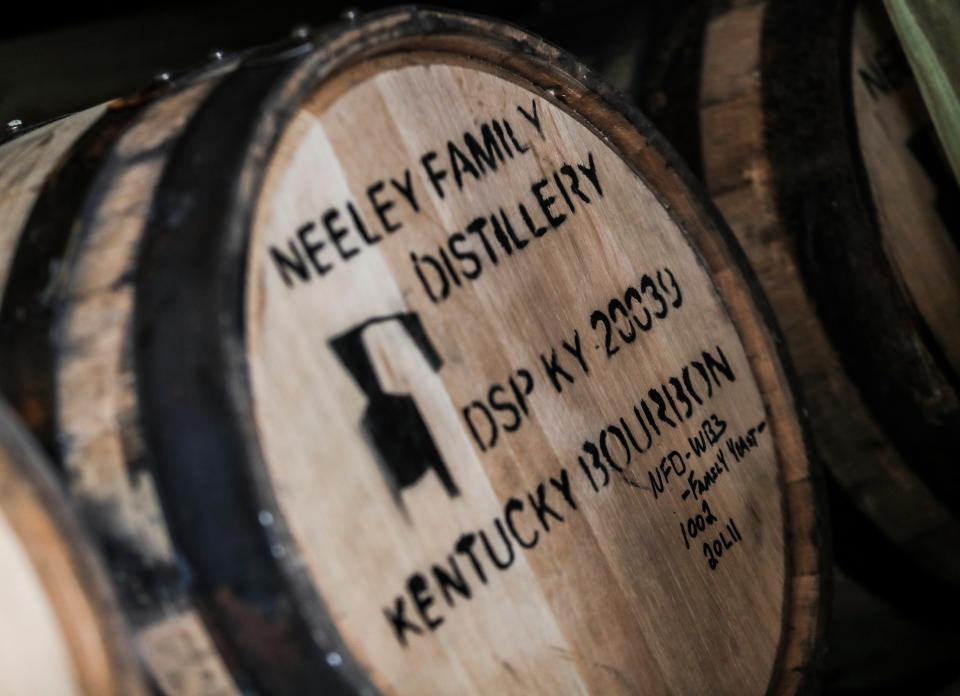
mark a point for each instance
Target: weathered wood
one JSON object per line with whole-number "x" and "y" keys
{"x": 61, "y": 633}
{"x": 24, "y": 166}
{"x": 293, "y": 335}
{"x": 274, "y": 383}
{"x": 65, "y": 322}
{"x": 809, "y": 161}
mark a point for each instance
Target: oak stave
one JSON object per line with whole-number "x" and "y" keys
{"x": 175, "y": 345}
{"x": 774, "y": 126}
{"x": 190, "y": 391}
{"x": 62, "y": 632}
{"x": 64, "y": 323}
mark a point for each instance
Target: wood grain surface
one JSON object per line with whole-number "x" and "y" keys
{"x": 745, "y": 176}
{"x": 62, "y": 633}
{"x": 97, "y": 409}
{"x": 24, "y": 165}
{"x": 379, "y": 354}
{"x": 74, "y": 225}
{"x": 376, "y": 211}
{"x": 504, "y": 412}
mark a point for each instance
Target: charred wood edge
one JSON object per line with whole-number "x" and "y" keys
{"x": 684, "y": 91}
{"x": 30, "y": 310}
{"x": 32, "y": 469}
{"x": 190, "y": 343}
{"x": 824, "y": 200}
{"x": 822, "y": 541}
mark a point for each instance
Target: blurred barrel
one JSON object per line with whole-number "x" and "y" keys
{"x": 61, "y": 633}
{"x": 76, "y": 195}
{"x": 411, "y": 359}
{"x": 814, "y": 143}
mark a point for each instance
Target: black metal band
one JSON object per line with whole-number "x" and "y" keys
{"x": 190, "y": 347}
{"x": 192, "y": 429}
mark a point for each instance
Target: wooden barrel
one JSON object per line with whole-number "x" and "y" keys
{"x": 814, "y": 143}
{"x": 76, "y": 194}
{"x": 61, "y": 633}
{"x": 444, "y": 377}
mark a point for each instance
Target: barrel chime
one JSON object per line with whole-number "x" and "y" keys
{"x": 408, "y": 358}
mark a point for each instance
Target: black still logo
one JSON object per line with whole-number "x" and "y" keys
{"x": 392, "y": 424}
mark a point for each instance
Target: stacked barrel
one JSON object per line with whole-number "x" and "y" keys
{"x": 409, "y": 358}
{"x": 811, "y": 136}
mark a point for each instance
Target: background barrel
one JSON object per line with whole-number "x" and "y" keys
{"x": 61, "y": 633}
{"x": 408, "y": 359}
{"x": 827, "y": 170}
{"x": 806, "y": 126}
{"x": 78, "y": 192}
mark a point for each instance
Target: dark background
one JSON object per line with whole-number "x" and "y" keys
{"x": 55, "y": 59}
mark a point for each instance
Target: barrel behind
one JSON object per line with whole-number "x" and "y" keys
{"x": 62, "y": 632}
{"x": 72, "y": 227}
{"x": 822, "y": 159}
{"x": 807, "y": 129}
